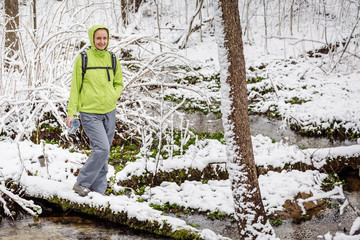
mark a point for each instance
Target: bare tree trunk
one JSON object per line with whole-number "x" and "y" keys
{"x": 124, "y": 12}
{"x": 265, "y": 25}
{"x": 279, "y": 31}
{"x": 249, "y": 209}
{"x": 158, "y": 22}
{"x": 136, "y": 4}
{"x": 190, "y": 30}
{"x": 291, "y": 16}
{"x": 200, "y": 18}
{"x": 34, "y": 17}
{"x": 299, "y": 15}
{"x": 247, "y": 21}
{"x": 12, "y": 24}
{"x": 186, "y": 12}
{"x": 1, "y": 64}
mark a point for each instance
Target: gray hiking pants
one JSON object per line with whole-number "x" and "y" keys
{"x": 100, "y": 129}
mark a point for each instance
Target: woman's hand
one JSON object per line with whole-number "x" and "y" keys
{"x": 68, "y": 121}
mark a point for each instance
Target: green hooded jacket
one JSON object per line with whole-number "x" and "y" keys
{"x": 97, "y": 94}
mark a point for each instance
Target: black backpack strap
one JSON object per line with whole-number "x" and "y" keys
{"x": 113, "y": 62}
{"x": 84, "y": 62}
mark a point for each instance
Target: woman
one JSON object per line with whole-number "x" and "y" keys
{"x": 94, "y": 96}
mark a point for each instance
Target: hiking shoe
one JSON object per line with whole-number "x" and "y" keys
{"x": 82, "y": 191}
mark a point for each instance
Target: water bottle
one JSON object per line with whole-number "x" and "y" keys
{"x": 74, "y": 125}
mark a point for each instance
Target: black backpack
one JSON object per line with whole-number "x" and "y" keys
{"x": 84, "y": 66}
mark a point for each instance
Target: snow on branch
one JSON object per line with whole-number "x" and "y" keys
{"x": 27, "y": 205}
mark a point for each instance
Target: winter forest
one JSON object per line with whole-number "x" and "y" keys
{"x": 238, "y": 119}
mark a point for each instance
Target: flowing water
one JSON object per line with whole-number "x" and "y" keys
{"x": 268, "y": 127}
{"x": 68, "y": 227}
{"x": 327, "y": 221}
{"x": 81, "y": 227}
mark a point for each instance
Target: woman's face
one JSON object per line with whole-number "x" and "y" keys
{"x": 101, "y": 39}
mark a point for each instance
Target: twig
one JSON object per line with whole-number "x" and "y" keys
{"x": 22, "y": 162}
{"x": 346, "y": 46}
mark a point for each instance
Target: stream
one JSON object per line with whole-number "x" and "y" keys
{"x": 62, "y": 227}
{"x": 267, "y": 127}
{"x": 328, "y": 220}
{"x": 74, "y": 226}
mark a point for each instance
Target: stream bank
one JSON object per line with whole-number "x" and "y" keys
{"x": 54, "y": 223}
{"x": 72, "y": 225}
{"x": 64, "y": 227}
{"x": 272, "y": 128}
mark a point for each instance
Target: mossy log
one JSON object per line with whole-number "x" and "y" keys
{"x": 339, "y": 163}
{"x": 331, "y": 165}
{"x": 219, "y": 172}
{"x": 212, "y": 172}
{"x": 122, "y": 218}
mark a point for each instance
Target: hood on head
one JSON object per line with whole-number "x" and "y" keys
{"x": 91, "y": 33}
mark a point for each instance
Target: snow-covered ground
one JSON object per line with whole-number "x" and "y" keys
{"x": 56, "y": 178}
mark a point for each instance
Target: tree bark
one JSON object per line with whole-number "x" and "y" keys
{"x": 127, "y": 6}
{"x": 124, "y": 12}
{"x": 34, "y": 17}
{"x": 12, "y": 23}
{"x": 198, "y": 11}
{"x": 136, "y": 4}
{"x": 158, "y": 22}
{"x": 249, "y": 209}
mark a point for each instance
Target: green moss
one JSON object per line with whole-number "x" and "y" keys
{"x": 49, "y": 131}
{"x": 194, "y": 225}
{"x": 177, "y": 141}
{"x": 166, "y": 207}
{"x": 263, "y": 89}
{"x": 301, "y": 219}
{"x": 260, "y": 67}
{"x": 139, "y": 183}
{"x": 331, "y": 204}
{"x": 195, "y": 105}
{"x": 252, "y": 69}
{"x": 125, "y": 153}
{"x": 254, "y": 80}
{"x": 120, "y": 155}
{"x": 140, "y": 199}
{"x": 277, "y": 222}
{"x": 187, "y": 210}
{"x": 133, "y": 67}
{"x": 183, "y": 234}
{"x": 273, "y": 111}
{"x": 331, "y": 181}
{"x": 174, "y": 208}
{"x": 140, "y": 190}
{"x": 163, "y": 229}
{"x": 296, "y": 100}
{"x": 216, "y": 215}
{"x": 334, "y": 131}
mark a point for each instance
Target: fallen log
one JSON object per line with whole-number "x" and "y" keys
{"x": 329, "y": 160}
{"x": 118, "y": 209}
